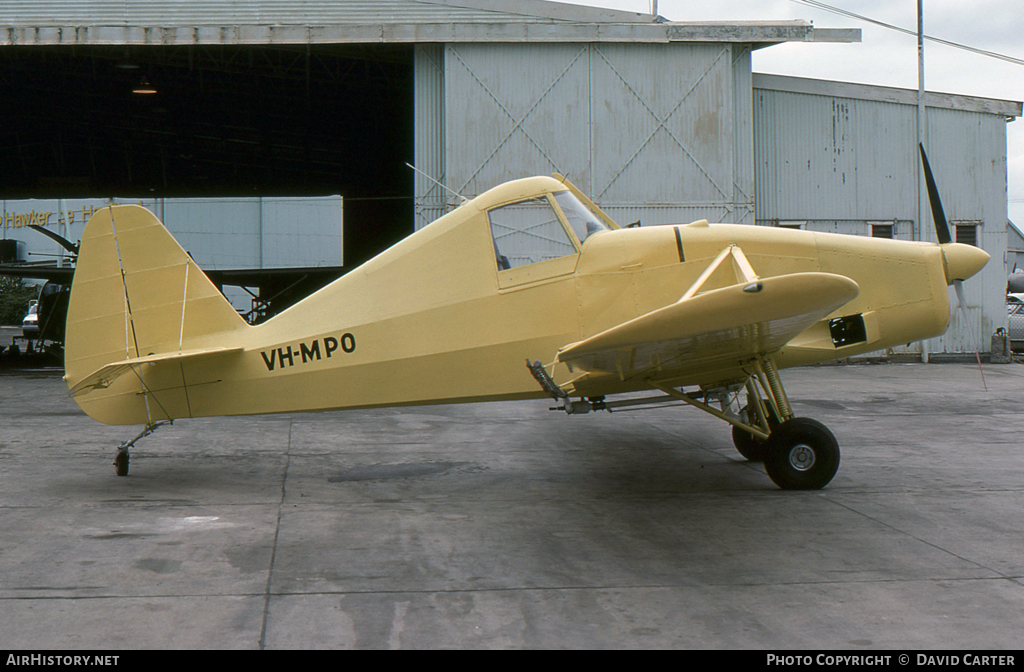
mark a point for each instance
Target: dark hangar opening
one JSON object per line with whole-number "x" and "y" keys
{"x": 224, "y": 121}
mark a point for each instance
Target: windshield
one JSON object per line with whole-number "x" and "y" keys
{"x": 583, "y": 222}
{"x": 528, "y": 232}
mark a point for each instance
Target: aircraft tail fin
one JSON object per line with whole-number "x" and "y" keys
{"x": 137, "y": 294}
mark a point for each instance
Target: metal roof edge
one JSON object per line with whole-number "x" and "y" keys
{"x": 739, "y": 31}
{"x": 549, "y": 10}
{"x": 886, "y": 94}
{"x": 845, "y": 35}
{"x": 772, "y": 32}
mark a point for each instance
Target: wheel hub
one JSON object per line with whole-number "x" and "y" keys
{"x": 801, "y": 457}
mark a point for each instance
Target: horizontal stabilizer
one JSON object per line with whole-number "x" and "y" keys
{"x": 724, "y": 325}
{"x": 105, "y": 376}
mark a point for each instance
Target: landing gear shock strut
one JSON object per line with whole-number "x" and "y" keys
{"x": 799, "y": 453}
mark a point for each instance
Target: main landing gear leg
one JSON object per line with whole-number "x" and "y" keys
{"x": 122, "y": 458}
{"x": 799, "y": 453}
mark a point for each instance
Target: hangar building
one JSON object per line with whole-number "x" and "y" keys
{"x": 658, "y": 121}
{"x": 838, "y": 157}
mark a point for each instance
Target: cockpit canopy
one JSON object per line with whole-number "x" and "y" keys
{"x": 541, "y": 228}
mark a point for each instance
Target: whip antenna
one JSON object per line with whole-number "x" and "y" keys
{"x": 451, "y": 191}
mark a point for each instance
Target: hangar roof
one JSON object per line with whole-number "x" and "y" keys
{"x": 230, "y": 22}
{"x": 886, "y": 94}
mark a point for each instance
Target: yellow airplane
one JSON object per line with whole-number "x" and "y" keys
{"x": 526, "y": 291}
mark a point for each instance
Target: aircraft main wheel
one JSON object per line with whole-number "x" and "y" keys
{"x": 802, "y": 455}
{"x": 121, "y": 463}
{"x": 750, "y": 447}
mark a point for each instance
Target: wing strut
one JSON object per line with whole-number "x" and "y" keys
{"x": 744, "y": 270}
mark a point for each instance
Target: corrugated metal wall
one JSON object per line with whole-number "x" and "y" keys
{"x": 819, "y": 157}
{"x": 839, "y": 163}
{"x": 659, "y": 133}
{"x": 431, "y": 200}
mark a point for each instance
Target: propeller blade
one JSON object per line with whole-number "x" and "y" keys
{"x": 954, "y": 251}
{"x": 958, "y": 285}
{"x": 938, "y": 216}
{"x": 61, "y": 240}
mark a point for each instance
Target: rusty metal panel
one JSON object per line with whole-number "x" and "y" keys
{"x": 839, "y": 162}
{"x": 819, "y": 157}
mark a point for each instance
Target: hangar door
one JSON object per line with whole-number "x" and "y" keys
{"x": 659, "y": 133}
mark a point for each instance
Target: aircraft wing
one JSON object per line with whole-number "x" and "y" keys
{"x": 106, "y": 375}
{"x": 717, "y": 328}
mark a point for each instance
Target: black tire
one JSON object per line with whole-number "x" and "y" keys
{"x": 121, "y": 463}
{"x": 750, "y": 447}
{"x": 802, "y": 455}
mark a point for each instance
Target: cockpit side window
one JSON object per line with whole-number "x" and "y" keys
{"x": 583, "y": 222}
{"x": 527, "y": 232}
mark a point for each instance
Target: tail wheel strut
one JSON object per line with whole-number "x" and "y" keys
{"x": 122, "y": 458}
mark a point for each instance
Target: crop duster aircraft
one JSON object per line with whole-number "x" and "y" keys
{"x": 526, "y": 291}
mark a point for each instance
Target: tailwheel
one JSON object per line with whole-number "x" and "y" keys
{"x": 122, "y": 458}
{"x": 121, "y": 462}
{"x": 802, "y": 455}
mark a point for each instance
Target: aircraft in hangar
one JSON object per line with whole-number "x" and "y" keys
{"x": 275, "y": 288}
{"x": 528, "y": 290}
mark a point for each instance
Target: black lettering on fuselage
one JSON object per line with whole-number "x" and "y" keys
{"x": 308, "y": 352}
{"x": 270, "y": 362}
{"x": 279, "y": 358}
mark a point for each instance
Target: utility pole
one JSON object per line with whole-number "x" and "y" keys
{"x": 921, "y": 121}
{"x": 921, "y": 138}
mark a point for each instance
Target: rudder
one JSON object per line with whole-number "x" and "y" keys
{"x": 137, "y": 293}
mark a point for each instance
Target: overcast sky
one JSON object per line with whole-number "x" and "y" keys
{"x": 886, "y": 57}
